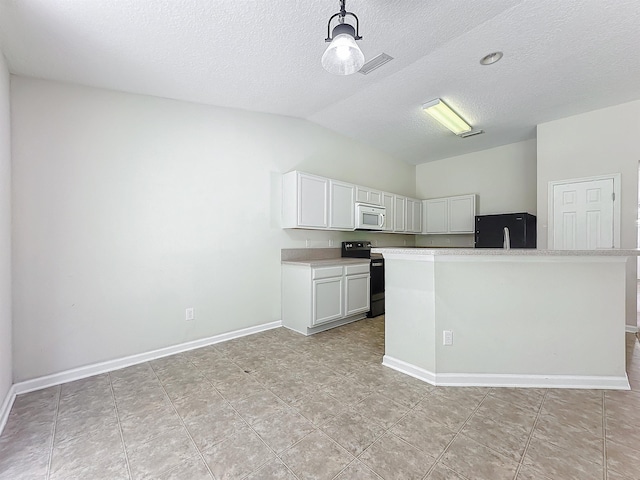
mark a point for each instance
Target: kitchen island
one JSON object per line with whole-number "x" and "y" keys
{"x": 526, "y": 318}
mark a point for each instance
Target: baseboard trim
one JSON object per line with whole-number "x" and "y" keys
{"x": 631, "y": 329}
{"x": 410, "y": 369}
{"x": 6, "y": 407}
{"x": 508, "y": 380}
{"x": 110, "y": 365}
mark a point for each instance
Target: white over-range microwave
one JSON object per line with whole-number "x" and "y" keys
{"x": 370, "y": 217}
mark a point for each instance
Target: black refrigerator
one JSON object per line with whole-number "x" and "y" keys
{"x": 490, "y": 230}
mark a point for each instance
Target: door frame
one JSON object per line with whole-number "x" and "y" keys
{"x": 616, "y": 177}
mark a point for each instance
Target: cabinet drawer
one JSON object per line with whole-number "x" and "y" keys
{"x": 326, "y": 272}
{"x": 357, "y": 269}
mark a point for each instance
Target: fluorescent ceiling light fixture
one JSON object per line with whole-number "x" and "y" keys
{"x": 343, "y": 56}
{"x": 446, "y": 116}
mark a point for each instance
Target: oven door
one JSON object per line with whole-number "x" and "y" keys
{"x": 377, "y": 287}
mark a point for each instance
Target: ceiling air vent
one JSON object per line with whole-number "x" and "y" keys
{"x": 374, "y": 63}
{"x": 471, "y": 133}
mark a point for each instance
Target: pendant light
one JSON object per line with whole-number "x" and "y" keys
{"x": 343, "y": 56}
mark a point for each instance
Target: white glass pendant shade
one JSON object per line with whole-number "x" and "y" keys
{"x": 343, "y": 56}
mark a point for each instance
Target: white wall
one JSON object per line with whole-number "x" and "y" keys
{"x": 595, "y": 143}
{"x": 6, "y": 374}
{"x": 503, "y": 177}
{"x": 128, "y": 209}
{"x": 513, "y": 319}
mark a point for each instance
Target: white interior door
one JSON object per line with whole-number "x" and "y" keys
{"x": 583, "y": 215}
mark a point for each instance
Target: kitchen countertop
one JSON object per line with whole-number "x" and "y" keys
{"x": 327, "y": 262}
{"x": 612, "y": 252}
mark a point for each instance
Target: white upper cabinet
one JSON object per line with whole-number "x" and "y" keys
{"x": 311, "y": 201}
{"x": 399, "y": 212}
{"x": 305, "y": 201}
{"x": 450, "y": 215}
{"x": 341, "y": 205}
{"x": 462, "y": 214}
{"x": 414, "y": 215}
{"x": 436, "y": 215}
{"x": 314, "y": 202}
{"x": 388, "y": 200}
{"x": 367, "y": 195}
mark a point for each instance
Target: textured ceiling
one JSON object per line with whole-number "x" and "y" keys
{"x": 561, "y": 58}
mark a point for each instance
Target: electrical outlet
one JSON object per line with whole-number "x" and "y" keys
{"x": 447, "y": 337}
{"x": 308, "y": 243}
{"x": 331, "y": 242}
{"x": 189, "y": 314}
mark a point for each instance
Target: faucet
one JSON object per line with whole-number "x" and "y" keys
{"x": 507, "y": 241}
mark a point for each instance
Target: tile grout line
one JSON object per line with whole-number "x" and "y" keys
{"x": 246, "y": 422}
{"x": 240, "y": 416}
{"x": 464, "y": 424}
{"x": 184, "y": 425}
{"x": 124, "y": 448}
{"x": 250, "y": 426}
{"x": 533, "y": 429}
{"x": 316, "y": 428}
{"x": 604, "y": 436}
{"x": 53, "y": 433}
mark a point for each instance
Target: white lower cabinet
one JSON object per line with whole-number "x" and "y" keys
{"x": 328, "y": 295}
{"x": 357, "y": 294}
{"x": 316, "y": 298}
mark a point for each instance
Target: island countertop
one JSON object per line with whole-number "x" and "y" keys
{"x": 610, "y": 252}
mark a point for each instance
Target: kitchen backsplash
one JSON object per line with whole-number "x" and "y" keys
{"x": 293, "y": 254}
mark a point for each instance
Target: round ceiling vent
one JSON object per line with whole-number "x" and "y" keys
{"x": 491, "y": 58}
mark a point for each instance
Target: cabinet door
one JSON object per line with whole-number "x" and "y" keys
{"x": 366, "y": 195}
{"x": 462, "y": 213}
{"x": 389, "y": 205}
{"x": 362, "y": 195}
{"x": 436, "y": 215}
{"x": 312, "y": 201}
{"x": 375, "y": 197}
{"x": 400, "y": 206}
{"x": 327, "y": 300}
{"x": 414, "y": 216}
{"x": 417, "y": 217}
{"x": 357, "y": 294}
{"x": 342, "y": 205}
{"x": 408, "y": 215}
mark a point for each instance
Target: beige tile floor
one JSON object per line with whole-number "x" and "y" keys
{"x": 277, "y": 405}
